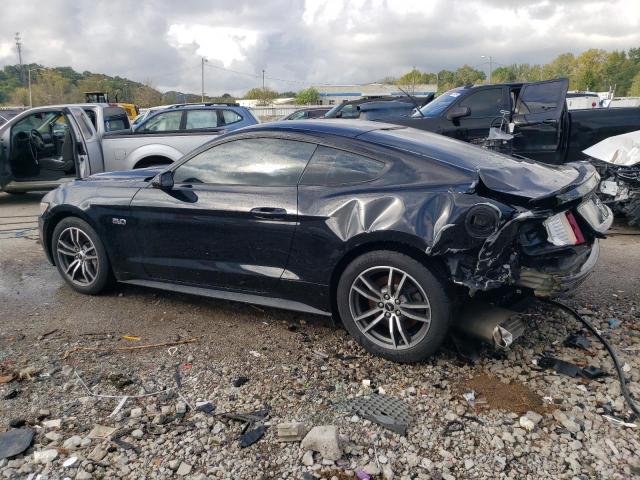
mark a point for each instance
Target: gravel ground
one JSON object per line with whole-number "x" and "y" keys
{"x": 523, "y": 422}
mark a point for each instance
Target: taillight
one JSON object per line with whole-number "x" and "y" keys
{"x": 563, "y": 230}
{"x": 593, "y": 104}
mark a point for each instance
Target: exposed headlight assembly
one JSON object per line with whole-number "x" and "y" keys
{"x": 597, "y": 214}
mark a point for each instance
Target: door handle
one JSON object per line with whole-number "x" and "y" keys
{"x": 268, "y": 212}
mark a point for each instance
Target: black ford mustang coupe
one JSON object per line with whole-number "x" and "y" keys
{"x": 380, "y": 225}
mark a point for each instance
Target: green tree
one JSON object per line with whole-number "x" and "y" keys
{"x": 308, "y": 96}
{"x": 561, "y": 67}
{"x": 588, "y": 73}
{"x": 264, "y": 96}
{"x": 634, "y": 90}
{"x": 467, "y": 75}
{"x": 415, "y": 77}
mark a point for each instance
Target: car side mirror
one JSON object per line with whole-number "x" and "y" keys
{"x": 163, "y": 181}
{"x": 458, "y": 112}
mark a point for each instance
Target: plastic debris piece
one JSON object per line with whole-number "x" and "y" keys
{"x": 15, "y": 442}
{"x": 119, "y": 406}
{"x": 69, "y": 462}
{"x": 255, "y": 354}
{"x": 470, "y": 397}
{"x": 570, "y": 369}
{"x": 206, "y": 407}
{"x": 131, "y": 338}
{"x": 252, "y": 436}
{"x": 577, "y": 340}
{"x": 362, "y": 475}
{"x": 592, "y": 372}
{"x": 613, "y": 322}
{"x": 386, "y": 411}
{"x": 619, "y": 421}
{"x": 238, "y": 382}
{"x": 13, "y": 393}
{"x": 6, "y": 378}
{"x": 366, "y": 383}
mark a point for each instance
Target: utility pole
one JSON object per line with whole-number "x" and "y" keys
{"x": 263, "y": 80}
{"x": 30, "y": 96}
{"x": 204, "y": 60}
{"x": 490, "y": 65}
{"x": 19, "y": 47}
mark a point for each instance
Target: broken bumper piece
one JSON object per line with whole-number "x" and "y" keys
{"x": 545, "y": 284}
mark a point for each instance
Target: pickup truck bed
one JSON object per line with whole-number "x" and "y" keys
{"x": 137, "y": 150}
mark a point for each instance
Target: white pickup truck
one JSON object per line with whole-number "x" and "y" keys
{"x": 44, "y": 147}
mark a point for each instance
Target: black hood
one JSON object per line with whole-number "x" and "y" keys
{"x": 129, "y": 175}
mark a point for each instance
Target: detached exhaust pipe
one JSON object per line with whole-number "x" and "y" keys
{"x": 494, "y": 325}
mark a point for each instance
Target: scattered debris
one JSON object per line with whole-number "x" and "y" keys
{"x": 324, "y": 440}
{"x": 470, "y": 397}
{"x": 252, "y": 436}
{"x": 126, "y": 349}
{"x": 570, "y": 369}
{"x": 15, "y": 442}
{"x": 46, "y": 334}
{"x": 577, "y": 340}
{"x": 362, "y": 475}
{"x": 255, "y": 354}
{"x": 207, "y": 407}
{"x": 613, "y": 322}
{"x": 131, "y": 338}
{"x": 452, "y": 427}
{"x": 28, "y": 373}
{"x": 619, "y": 421}
{"x": 6, "y": 378}
{"x": 386, "y": 411}
{"x": 238, "y": 382}
{"x": 13, "y": 393}
{"x": 101, "y": 431}
{"x": 321, "y": 355}
{"x": 17, "y": 422}
{"x": 292, "y": 431}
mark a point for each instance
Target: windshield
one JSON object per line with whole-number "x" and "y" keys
{"x": 439, "y": 104}
{"x": 332, "y": 113}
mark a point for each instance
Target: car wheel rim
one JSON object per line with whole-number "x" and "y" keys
{"x": 390, "y": 307}
{"x": 77, "y": 256}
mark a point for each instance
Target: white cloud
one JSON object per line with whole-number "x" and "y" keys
{"x": 220, "y": 43}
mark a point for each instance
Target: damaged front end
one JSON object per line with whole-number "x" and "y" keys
{"x": 617, "y": 160}
{"x": 548, "y": 243}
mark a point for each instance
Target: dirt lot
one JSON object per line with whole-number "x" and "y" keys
{"x": 302, "y": 368}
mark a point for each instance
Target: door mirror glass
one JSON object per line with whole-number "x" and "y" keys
{"x": 458, "y": 112}
{"x": 163, "y": 180}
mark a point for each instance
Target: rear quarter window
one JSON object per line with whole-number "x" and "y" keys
{"x": 330, "y": 166}
{"x": 115, "y": 123}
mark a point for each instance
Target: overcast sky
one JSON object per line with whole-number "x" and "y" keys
{"x": 306, "y": 41}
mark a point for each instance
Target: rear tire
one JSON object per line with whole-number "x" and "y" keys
{"x": 404, "y": 319}
{"x": 80, "y": 256}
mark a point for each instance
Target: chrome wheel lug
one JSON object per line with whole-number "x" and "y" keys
{"x": 387, "y": 314}
{"x": 386, "y": 297}
{"x": 397, "y": 301}
{"x": 381, "y": 304}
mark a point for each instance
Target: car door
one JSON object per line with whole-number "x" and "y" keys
{"x": 169, "y": 121}
{"x": 229, "y": 219}
{"x": 538, "y": 118}
{"x": 5, "y": 166}
{"x": 90, "y": 144}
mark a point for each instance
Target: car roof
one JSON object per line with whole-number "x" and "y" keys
{"x": 338, "y": 127}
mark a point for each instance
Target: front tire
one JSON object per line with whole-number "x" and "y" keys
{"x": 80, "y": 256}
{"x": 393, "y": 306}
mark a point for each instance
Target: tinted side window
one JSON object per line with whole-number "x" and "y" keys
{"x": 538, "y": 98}
{"x": 251, "y": 161}
{"x": 329, "y": 166}
{"x": 201, "y": 119}
{"x": 485, "y": 103}
{"x": 163, "y": 122}
{"x": 230, "y": 117}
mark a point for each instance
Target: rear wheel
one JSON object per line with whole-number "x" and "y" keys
{"x": 80, "y": 256}
{"x": 393, "y": 306}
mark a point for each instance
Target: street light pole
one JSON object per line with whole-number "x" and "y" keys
{"x": 203, "y": 62}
